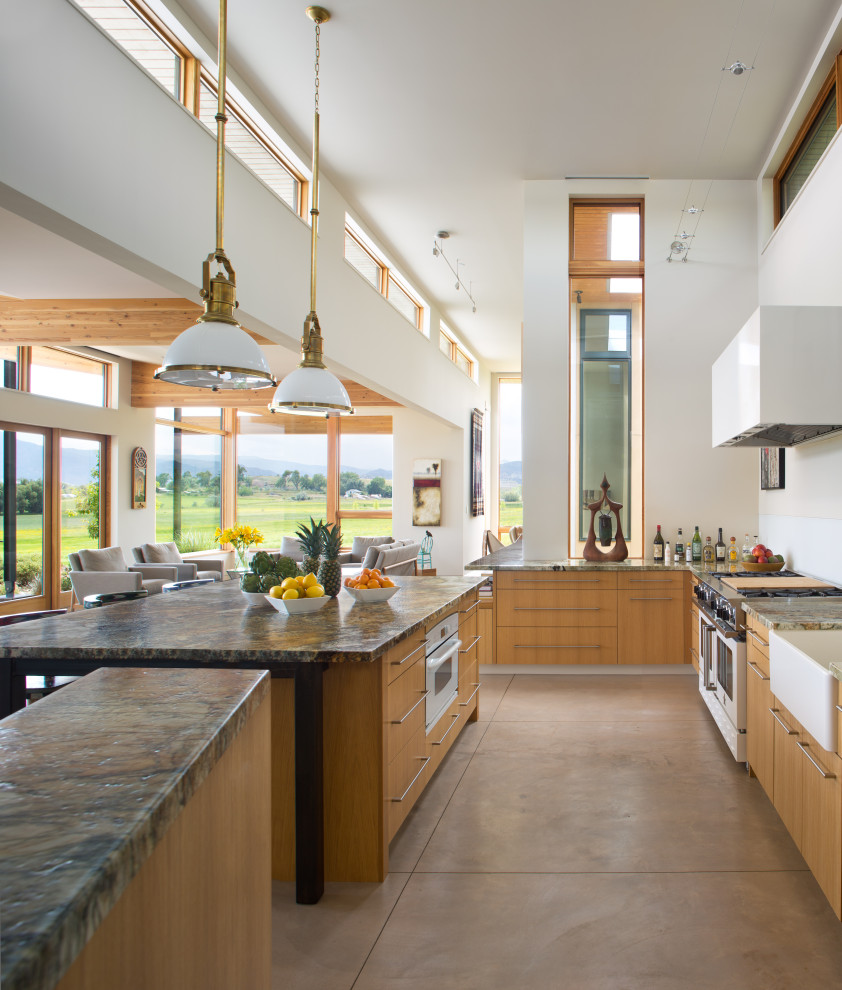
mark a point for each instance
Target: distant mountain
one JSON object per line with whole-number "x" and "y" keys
{"x": 76, "y": 464}
{"x": 511, "y": 472}
{"x": 260, "y": 467}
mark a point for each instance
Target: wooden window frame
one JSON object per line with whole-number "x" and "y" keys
{"x": 831, "y": 83}
{"x": 388, "y": 275}
{"x": 382, "y": 268}
{"x": 24, "y": 362}
{"x": 235, "y": 110}
{"x": 456, "y": 351}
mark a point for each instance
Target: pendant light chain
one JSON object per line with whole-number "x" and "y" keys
{"x": 314, "y": 199}
{"x": 221, "y": 120}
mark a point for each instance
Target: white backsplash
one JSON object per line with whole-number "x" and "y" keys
{"x": 810, "y": 545}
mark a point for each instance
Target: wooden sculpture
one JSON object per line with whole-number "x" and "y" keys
{"x": 619, "y": 551}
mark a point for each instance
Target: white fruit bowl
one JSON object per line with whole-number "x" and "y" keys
{"x": 371, "y": 595}
{"x": 253, "y": 597}
{"x": 297, "y": 606}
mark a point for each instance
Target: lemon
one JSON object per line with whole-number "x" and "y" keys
{"x": 276, "y": 591}
{"x": 290, "y": 593}
{"x": 288, "y": 583}
{"x": 314, "y": 591}
{"x": 310, "y": 580}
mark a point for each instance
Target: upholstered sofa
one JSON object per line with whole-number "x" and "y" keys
{"x": 168, "y": 554}
{"x": 290, "y": 548}
{"x": 393, "y": 558}
{"x": 93, "y": 572}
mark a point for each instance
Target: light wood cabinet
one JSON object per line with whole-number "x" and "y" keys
{"x": 650, "y": 625}
{"x": 485, "y": 631}
{"x": 557, "y": 607}
{"x": 558, "y": 645}
{"x": 788, "y": 772}
{"x": 760, "y": 724}
{"x": 821, "y": 819}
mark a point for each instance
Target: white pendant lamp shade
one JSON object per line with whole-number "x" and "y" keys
{"x": 311, "y": 391}
{"x": 216, "y": 355}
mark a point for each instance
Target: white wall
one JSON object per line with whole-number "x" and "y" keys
{"x": 692, "y": 311}
{"x": 801, "y": 265}
{"x": 128, "y": 427}
{"x": 131, "y": 177}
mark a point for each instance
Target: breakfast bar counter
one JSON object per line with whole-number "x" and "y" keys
{"x": 120, "y": 796}
{"x": 326, "y": 670}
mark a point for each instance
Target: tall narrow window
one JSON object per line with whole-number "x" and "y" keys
{"x": 22, "y": 477}
{"x": 606, "y": 374}
{"x": 510, "y": 507}
{"x": 365, "y": 480}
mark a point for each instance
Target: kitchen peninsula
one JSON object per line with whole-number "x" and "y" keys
{"x": 347, "y": 760}
{"x": 579, "y": 612}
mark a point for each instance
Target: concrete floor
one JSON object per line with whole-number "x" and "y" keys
{"x": 588, "y": 833}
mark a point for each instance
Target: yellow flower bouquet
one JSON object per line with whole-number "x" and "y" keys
{"x": 241, "y": 537}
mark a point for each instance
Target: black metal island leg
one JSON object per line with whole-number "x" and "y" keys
{"x": 309, "y": 784}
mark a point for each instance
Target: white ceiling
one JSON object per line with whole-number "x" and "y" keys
{"x": 434, "y": 113}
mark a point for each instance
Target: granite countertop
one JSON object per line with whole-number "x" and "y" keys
{"x": 510, "y": 558}
{"x": 796, "y": 613}
{"x": 215, "y": 625}
{"x": 70, "y": 842}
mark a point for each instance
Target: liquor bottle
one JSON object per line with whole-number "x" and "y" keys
{"x": 720, "y": 548}
{"x": 688, "y": 553}
{"x": 733, "y": 552}
{"x": 697, "y": 547}
{"x": 658, "y": 547}
{"x": 679, "y": 546}
{"x": 746, "y": 554}
{"x": 667, "y": 554}
{"x": 708, "y": 553}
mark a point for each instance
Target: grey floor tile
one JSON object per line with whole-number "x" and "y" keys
{"x": 751, "y": 931}
{"x": 491, "y": 693}
{"x": 323, "y": 946}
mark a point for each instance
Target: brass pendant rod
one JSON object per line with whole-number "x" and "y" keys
{"x": 314, "y": 212}
{"x": 221, "y": 120}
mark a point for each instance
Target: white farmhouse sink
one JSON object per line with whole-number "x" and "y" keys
{"x": 799, "y": 662}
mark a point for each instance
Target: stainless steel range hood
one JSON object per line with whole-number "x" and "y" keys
{"x": 779, "y": 381}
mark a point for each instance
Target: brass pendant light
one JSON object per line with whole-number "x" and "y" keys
{"x": 311, "y": 389}
{"x": 216, "y": 353}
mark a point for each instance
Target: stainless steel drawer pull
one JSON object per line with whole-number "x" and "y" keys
{"x": 400, "y": 721}
{"x": 540, "y": 646}
{"x": 650, "y": 581}
{"x": 839, "y": 708}
{"x": 777, "y": 718}
{"x": 804, "y": 749}
{"x": 426, "y": 760}
{"x": 759, "y": 640}
{"x": 464, "y": 704}
{"x": 455, "y": 718}
{"x": 400, "y": 663}
{"x": 465, "y": 611}
{"x": 650, "y": 599}
{"x": 554, "y": 608}
{"x": 753, "y": 666}
{"x": 476, "y": 640}
{"x": 553, "y": 580}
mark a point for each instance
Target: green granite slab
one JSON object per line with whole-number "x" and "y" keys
{"x": 90, "y": 780}
{"x": 796, "y": 613}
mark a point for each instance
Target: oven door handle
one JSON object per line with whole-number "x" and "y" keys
{"x": 434, "y": 662}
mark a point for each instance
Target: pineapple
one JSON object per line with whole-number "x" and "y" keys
{"x": 310, "y": 541}
{"x": 330, "y": 570}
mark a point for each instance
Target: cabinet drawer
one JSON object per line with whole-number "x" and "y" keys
{"x": 650, "y": 627}
{"x": 402, "y": 655}
{"x": 405, "y": 779}
{"x": 468, "y": 609}
{"x": 758, "y": 662}
{"x": 757, "y": 638}
{"x": 571, "y": 607}
{"x": 590, "y": 580}
{"x": 651, "y": 580}
{"x": 468, "y": 684}
{"x": 468, "y": 628}
{"x": 405, "y": 708}
{"x": 563, "y": 645}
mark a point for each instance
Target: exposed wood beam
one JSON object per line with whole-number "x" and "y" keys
{"x": 97, "y": 322}
{"x": 149, "y": 393}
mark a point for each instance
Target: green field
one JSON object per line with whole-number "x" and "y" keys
{"x": 511, "y": 514}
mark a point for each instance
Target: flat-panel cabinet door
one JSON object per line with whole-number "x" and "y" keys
{"x": 650, "y": 627}
{"x": 760, "y": 726}
{"x": 788, "y": 773}
{"x": 821, "y": 837}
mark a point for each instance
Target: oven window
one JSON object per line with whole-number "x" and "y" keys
{"x": 725, "y": 667}
{"x": 444, "y": 676}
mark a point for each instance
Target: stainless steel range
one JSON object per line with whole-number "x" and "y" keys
{"x": 722, "y": 640}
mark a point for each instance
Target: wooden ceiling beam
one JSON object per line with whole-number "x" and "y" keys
{"x": 97, "y": 322}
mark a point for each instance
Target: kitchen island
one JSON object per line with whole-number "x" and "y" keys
{"x": 333, "y": 760}
{"x": 123, "y": 796}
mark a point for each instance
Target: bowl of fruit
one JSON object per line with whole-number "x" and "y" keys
{"x": 370, "y": 586}
{"x": 762, "y": 560}
{"x": 295, "y": 595}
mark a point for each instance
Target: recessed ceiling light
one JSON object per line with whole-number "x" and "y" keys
{"x": 737, "y": 69}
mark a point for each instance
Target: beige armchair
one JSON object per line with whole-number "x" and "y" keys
{"x": 93, "y": 572}
{"x": 168, "y": 555}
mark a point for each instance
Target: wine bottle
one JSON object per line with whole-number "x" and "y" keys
{"x": 679, "y": 546}
{"x": 697, "y": 547}
{"x": 658, "y": 547}
{"x": 708, "y": 553}
{"x": 720, "y": 548}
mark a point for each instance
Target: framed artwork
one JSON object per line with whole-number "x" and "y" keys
{"x": 426, "y": 493}
{"x": 772, "y": 468}
{"x": 477, "y": 494}
{"x": 138, "y": 478}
